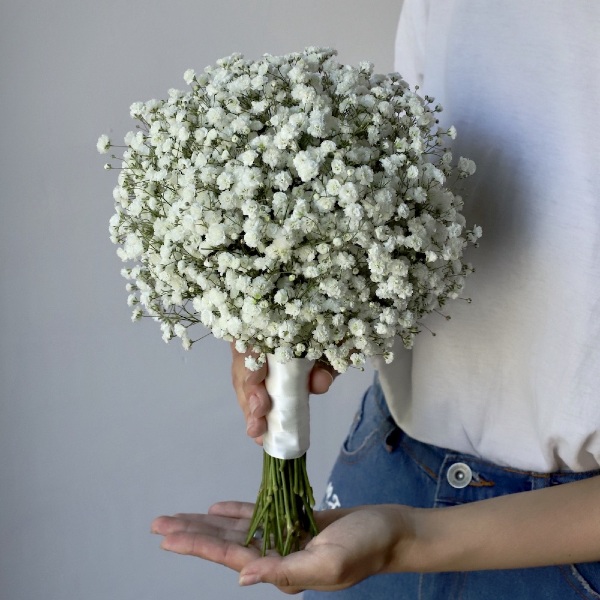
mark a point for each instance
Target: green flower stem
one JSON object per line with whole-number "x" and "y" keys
{"x": 283, "y": 510}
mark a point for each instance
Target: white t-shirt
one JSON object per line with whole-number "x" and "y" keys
{"x": 513, "y": 377}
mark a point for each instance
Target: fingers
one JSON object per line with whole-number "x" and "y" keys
{"x": 219, "y": 536}
{"x": 233, "y": 509}
{"x": 321, "y": 378}
{"x": 226, "y": 550}
{"x": 224, "y": 527}
{"x": 251, "y": 393}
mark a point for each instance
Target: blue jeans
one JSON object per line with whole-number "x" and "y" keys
{"x": 379, "y": 463}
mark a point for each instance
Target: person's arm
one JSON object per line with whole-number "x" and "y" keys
{"x": 557, "y": 525}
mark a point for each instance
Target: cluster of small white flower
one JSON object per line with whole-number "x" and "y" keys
{"x": 293, "y": 204}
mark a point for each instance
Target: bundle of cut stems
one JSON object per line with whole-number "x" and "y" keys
{"x": 283, "y": 513}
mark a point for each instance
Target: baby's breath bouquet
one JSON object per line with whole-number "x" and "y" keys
{"x": 301, "y": 208}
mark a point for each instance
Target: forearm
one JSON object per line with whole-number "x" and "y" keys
{"x": 557, "y": 525}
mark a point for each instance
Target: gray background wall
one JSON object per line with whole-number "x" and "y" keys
{"x": 102, "y": 425}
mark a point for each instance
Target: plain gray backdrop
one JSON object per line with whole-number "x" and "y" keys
{"x": 103, "y": 426}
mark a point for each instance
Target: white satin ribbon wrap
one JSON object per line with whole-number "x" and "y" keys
{"x": 288, "y": 431}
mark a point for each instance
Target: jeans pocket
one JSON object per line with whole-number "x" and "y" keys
{"x": 584, "y": 578}
{"x": 369, "y": 427}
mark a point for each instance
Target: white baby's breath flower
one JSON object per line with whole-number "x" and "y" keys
{"x": 354, "y": 211}
{"x": 241, "y": 213}
{"x": 306, "y": 165}
{"x": 466, "y": 166}
{"x": 474, "y": 234}
{"x": 348, "y": 193}
{"x": 412, "y": 172}
{"x": 327, "y": 147}
{"x": 358, "y": 359}
{"x": 252, "y": 363}
{"x": 103, "y": 144}
{"x": 324, "y": 203}
{"x": 248, "y": 157}
{"x": 333, "y": 187}
{"x": 282, "y": 180}
{"x": 189, "y": 76}
{"x": 337, "y": 166}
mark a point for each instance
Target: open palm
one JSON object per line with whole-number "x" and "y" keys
{"x": 353, "y": 544}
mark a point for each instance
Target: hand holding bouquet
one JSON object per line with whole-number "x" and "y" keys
{"x": 301, "y": 208}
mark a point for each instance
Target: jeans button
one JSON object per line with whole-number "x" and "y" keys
{"x": 459, "y": 475}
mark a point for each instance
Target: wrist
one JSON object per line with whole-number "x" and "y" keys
{"x": 424, "y": 543}
{"x": 409, "y": 536}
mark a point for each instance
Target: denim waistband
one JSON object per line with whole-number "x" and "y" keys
{"x": 464, "y": 477}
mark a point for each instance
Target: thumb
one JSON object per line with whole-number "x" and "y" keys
{"x": 297, "y": 571}
{"x": 278, "y": 571}
{"x": 262, "y": 570}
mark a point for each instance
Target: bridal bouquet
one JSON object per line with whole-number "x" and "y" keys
{"x": 305, "y": 210}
